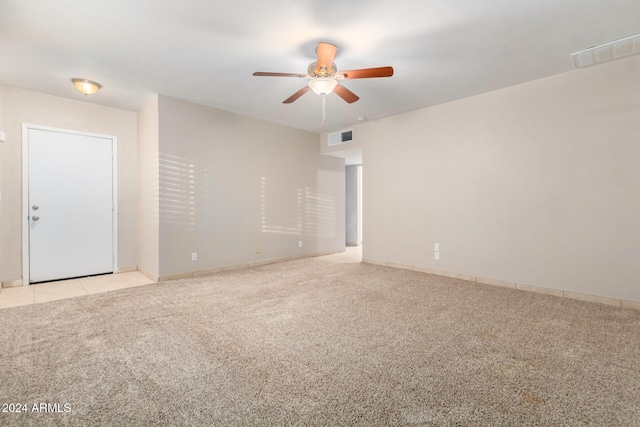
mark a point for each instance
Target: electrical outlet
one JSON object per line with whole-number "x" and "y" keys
{"x": 194, "y": 256}
{"x": 299, "y": 243}
{"x": 257, "y": 249}
{"x": 436, "y": 247}
{"x": 436, "y": 256}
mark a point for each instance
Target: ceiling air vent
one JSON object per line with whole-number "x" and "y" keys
{"x": 607, "y": 52}
{"x": 340, "y": 137}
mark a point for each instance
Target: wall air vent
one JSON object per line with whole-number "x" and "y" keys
{"x": 607, "y": 52}
{"x": 340, "y": 137}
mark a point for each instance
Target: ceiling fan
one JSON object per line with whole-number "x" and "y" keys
{"x": 324, "y": 76}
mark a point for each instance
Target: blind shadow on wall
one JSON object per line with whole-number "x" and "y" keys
{"x": 315, "y": 213}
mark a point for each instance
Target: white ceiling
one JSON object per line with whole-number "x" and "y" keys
{"x": 205, "y": 51}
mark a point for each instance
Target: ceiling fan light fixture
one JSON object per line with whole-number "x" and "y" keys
{"x": 85, "y": 86}
{"x": 323, "y": 85}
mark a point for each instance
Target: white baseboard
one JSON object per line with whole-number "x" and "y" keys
{"x": 616, "y": 302}
{"x": 242, "y": 266}
{"x": 148, "y": 274}
{"x": 11, "y": 283}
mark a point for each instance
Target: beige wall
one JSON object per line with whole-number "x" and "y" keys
{"x": 534, "y": 184}
{"x": 190, "y": 179}
{"x": 148, "y": 205}
{"x": 229, "y": 183}
{"x": 19, "y": 106}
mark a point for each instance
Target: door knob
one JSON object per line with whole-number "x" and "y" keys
{"x": 35, "y": 207}
{"x": 35, "y": 217}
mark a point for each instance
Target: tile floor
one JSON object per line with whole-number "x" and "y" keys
{"x": 34, "y": 294}
{"x": 64, "y": 289}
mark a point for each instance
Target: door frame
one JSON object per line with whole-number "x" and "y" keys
{"x": 25, "y": 191}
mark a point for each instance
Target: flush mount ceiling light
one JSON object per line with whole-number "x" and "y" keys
{"x": 86, "y": 86}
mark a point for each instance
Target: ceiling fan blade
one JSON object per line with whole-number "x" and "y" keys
{"x": 366, "y": 73}
{"x": 267, "y": 74}
{"x": 326, "y": 55}
{"x": 346, "y": 94}
{"x": 296, "y": 95}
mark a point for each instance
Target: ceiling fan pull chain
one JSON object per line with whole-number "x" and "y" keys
{"x": 324, "y": 108}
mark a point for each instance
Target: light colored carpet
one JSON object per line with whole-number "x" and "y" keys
{"x": 322, "y": 341}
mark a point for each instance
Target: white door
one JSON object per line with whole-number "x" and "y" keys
{"x": 71, "y": 205}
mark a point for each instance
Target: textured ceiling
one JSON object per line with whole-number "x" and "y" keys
{"x": 205, "y": 51}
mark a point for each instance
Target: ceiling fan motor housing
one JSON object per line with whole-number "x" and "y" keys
{"x": 314, "y": 71}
